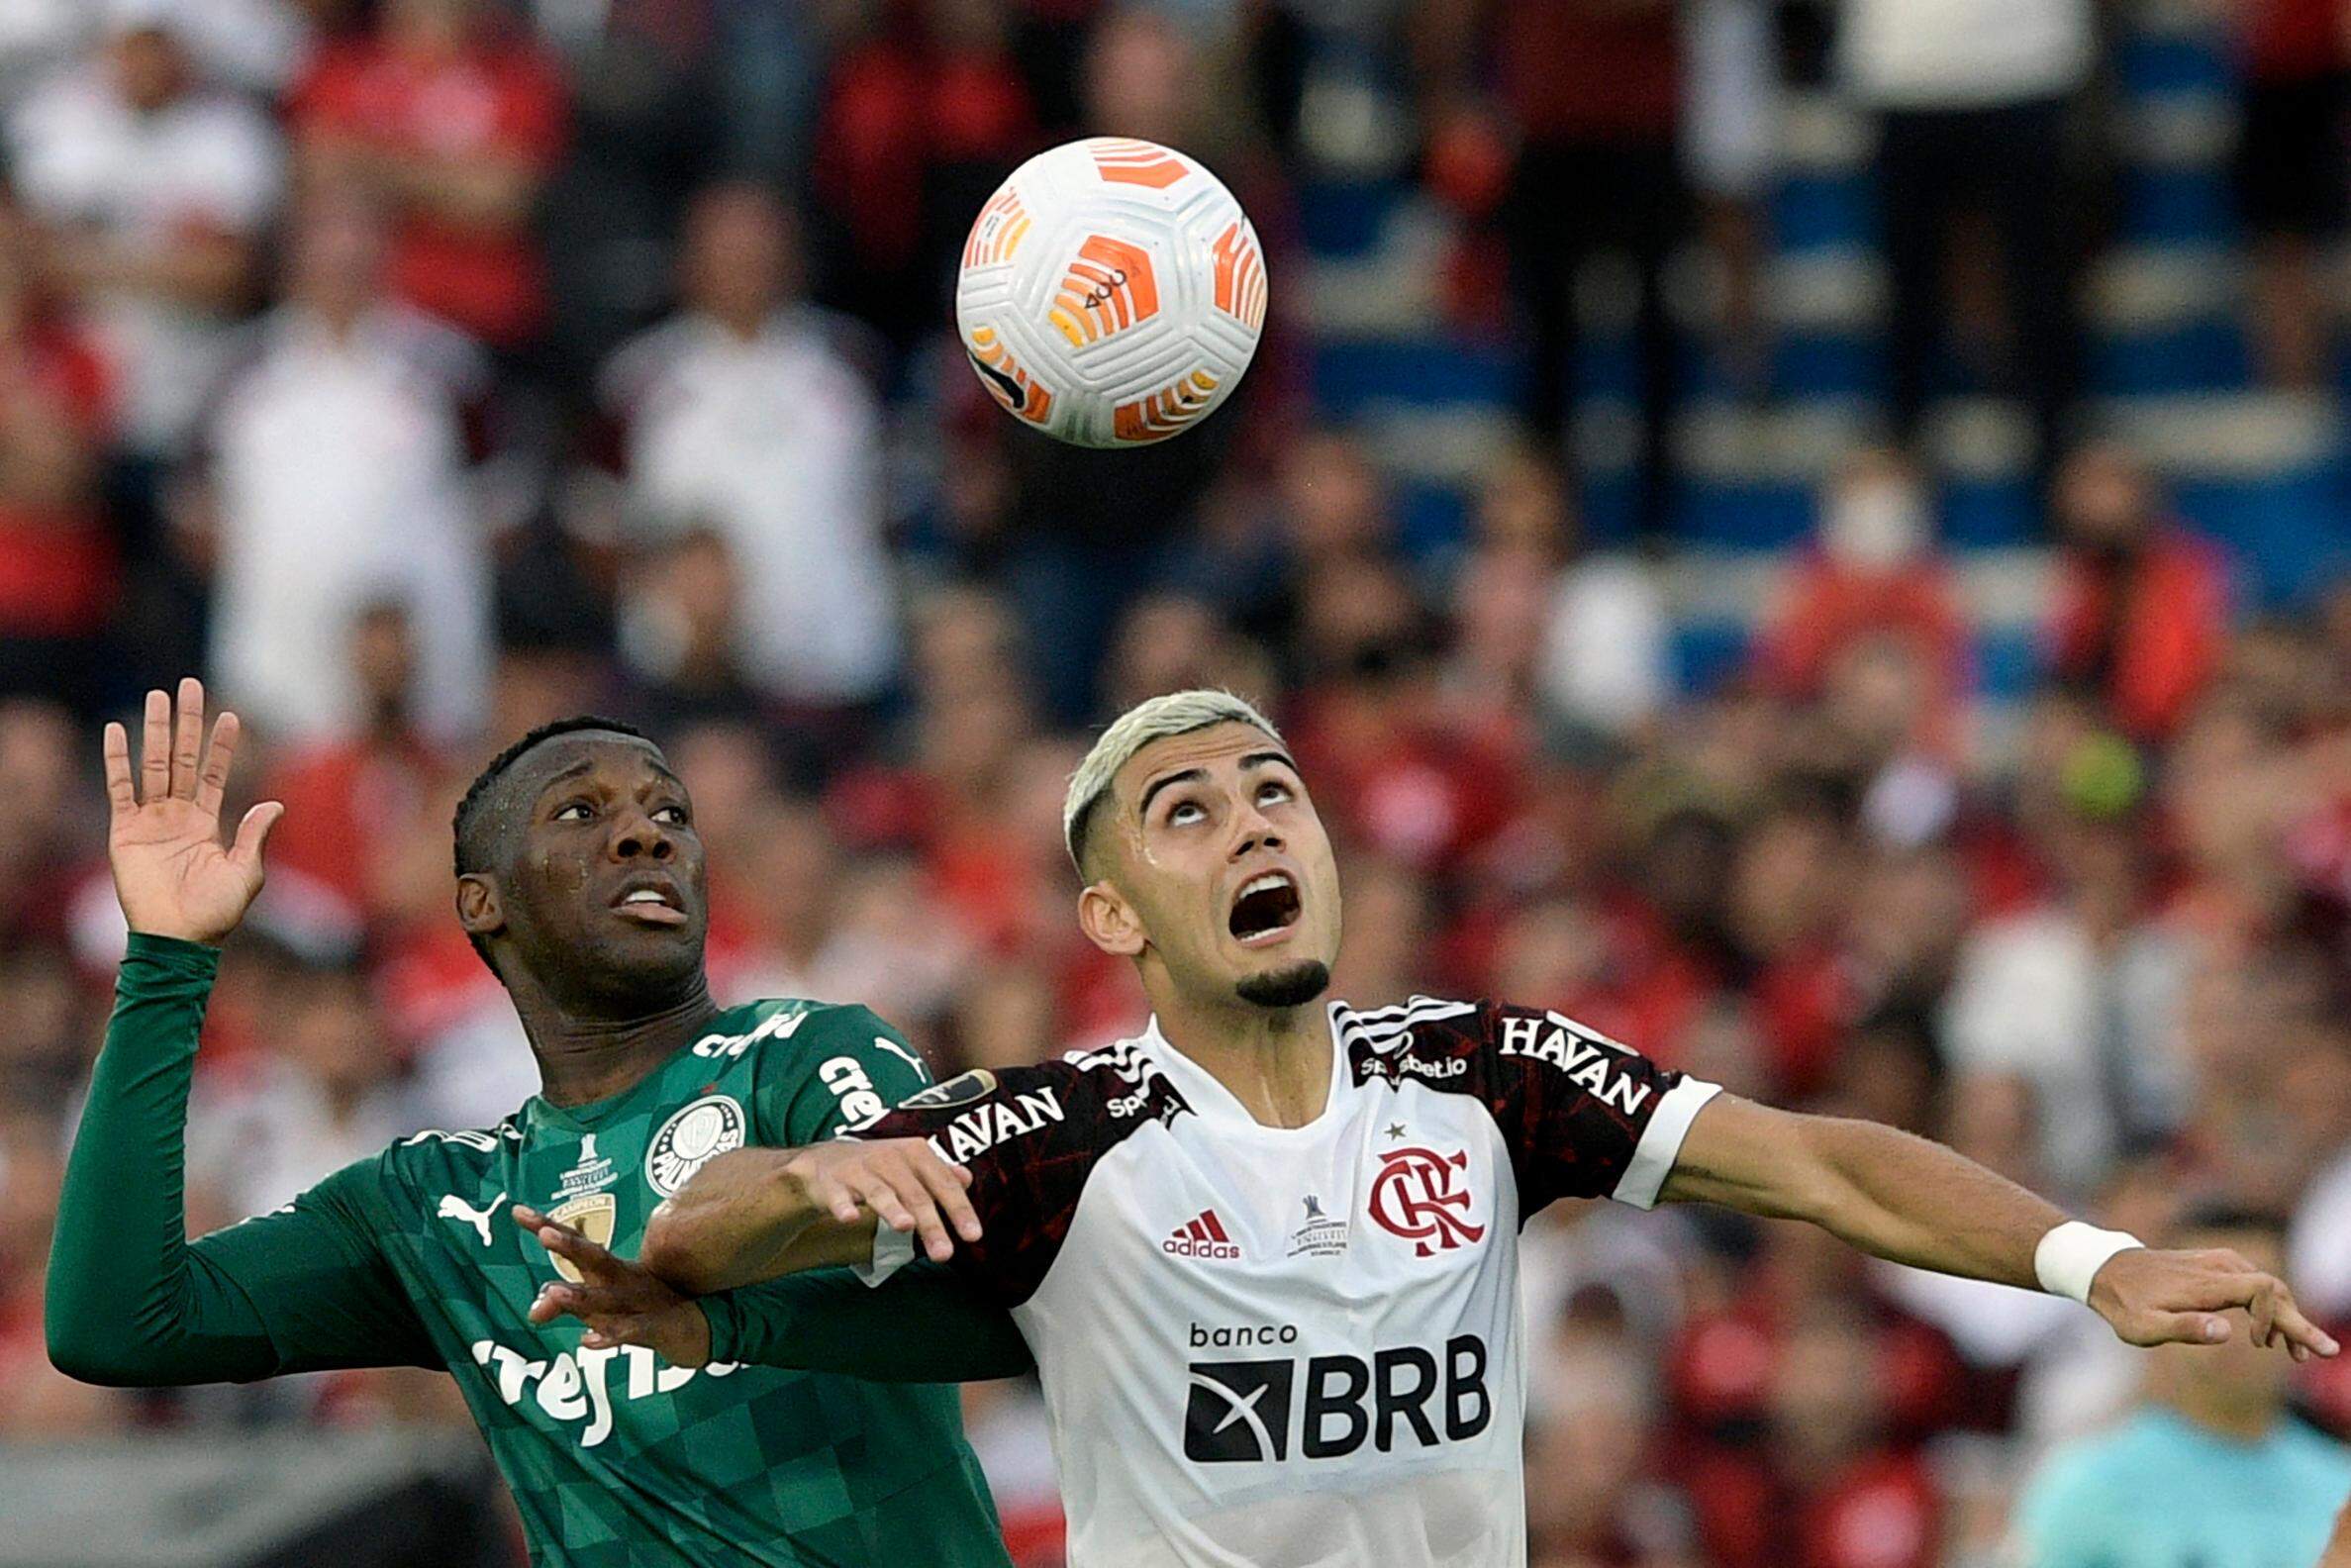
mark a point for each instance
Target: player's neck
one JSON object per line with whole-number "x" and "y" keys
{"x": 1276, "y": 1062}
{"x": 590, "y": 1055}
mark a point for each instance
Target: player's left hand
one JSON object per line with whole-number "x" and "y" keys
{"x": 2153, "y": 1297}
{"x": 620, "y": 1301}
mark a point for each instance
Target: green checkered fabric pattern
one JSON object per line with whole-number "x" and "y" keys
{"x": 618, "y": 1459}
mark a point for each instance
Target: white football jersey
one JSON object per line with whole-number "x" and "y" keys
{"x": 1292, "y": 1347}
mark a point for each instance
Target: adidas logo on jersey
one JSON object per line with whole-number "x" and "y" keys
{"x": 1203, "y": 1238}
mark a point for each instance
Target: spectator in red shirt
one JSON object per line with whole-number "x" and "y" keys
{"x": 345, "y": 789}
{"x": 456, "y": 126}
{"x": 1870, "y": 574}
{"x": 2142, "y": 605}
{"x": 57, "y": 561}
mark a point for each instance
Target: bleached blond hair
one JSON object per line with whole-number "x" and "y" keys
{"x": 1155, "y": 719}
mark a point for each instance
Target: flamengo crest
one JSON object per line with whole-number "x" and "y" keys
{"x": 1414, "y": 1196}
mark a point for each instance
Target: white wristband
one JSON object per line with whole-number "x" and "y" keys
{"x": 2071, "y": 1254}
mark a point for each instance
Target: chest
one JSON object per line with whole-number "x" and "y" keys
{"x": 1395, "y": 1210}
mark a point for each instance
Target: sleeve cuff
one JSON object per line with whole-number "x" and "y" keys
{"x": 175, "y": 954}
{"x": 891, "y": 1251}
{"x": 720, "y": 1317}
{"x": 1661, "y": 1142}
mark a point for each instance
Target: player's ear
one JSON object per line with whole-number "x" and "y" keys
{"x": 479, "y": 909}
{"x": 1109, "y": 921}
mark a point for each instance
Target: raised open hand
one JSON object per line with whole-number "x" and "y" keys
{"x": 171, "y": 872}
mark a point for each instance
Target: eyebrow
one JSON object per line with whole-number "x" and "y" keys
{"x": 1191, "y": 775}
{"x": 1195, "y": 775}
{"x": 588, "y": 764}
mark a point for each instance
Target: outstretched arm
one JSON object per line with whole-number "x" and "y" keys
{"x": 1909, "y": 1201}
{"x": 130, "y": 1301}
{"x": 755, "y": 1214}
{"x": 923, "y": 1324}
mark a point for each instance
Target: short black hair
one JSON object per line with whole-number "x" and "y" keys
{"x": 2210, "y": 1215}
{"x": 466, "y": 827}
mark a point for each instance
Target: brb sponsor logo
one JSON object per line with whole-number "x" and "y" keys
{"x": 1328, "y": 1407}
{"x": 1417, "y": 1196}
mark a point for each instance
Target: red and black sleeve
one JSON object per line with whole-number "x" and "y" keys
{"x": 1030, "y": 1137}
{"x": 1583, "y": 1117}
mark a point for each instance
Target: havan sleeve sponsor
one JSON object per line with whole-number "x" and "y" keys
{"x": 1582, "y": 1116}
{"x": 1030, "y": 1137}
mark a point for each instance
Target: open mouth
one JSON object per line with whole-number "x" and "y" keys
{"x": 1266, "y": 907}
{"x": 653, "y": 903}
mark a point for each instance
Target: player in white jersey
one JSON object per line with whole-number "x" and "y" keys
{"x": 1266, "y": 1253}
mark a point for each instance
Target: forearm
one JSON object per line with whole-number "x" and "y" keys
{"x": 741, "y": 1220}
{"x": 1883, "y": 1191}
{"x": 127, "y": 1302}
{"x": 923, "y": 1324}
{"x": 1907, "y": 1200}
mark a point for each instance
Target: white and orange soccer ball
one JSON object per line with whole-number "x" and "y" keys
{"x": 1111, "y": 293}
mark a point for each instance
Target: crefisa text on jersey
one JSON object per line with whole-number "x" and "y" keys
{"x": 983, "y": 1126}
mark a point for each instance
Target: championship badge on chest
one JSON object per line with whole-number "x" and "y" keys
{"x": 581, "y": 1203}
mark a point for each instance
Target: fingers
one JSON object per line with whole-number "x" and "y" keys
{"x": 528, "y": 1218}
{"x": 830, "y": 1194}
{"x": 254, "y": 832}
{"x": 2302, "y": 1337}
{"x": 212, "y": 782}
{"x": 595, "y": 1263}
{"x": 188, "y": 738}
{"x": 155, "y": 749}
{"x": 2182, "y": 1328}
{"x": 122, "y": 796}
{"x": 912, "y": 1189}
{"x": 950, "y": 1184}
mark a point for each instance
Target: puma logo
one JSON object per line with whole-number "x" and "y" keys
{"x": 453, "y": 1207}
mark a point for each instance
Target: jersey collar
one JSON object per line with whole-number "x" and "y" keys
{"x": 1212, "y": 1101}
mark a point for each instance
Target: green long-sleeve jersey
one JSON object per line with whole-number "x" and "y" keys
{"x": 409, "y": 1259}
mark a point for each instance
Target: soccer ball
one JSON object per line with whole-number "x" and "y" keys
{"x": 1111, "y": 292}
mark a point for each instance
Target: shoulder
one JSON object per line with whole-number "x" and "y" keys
{"x": 431, "y": 1156}
{"x": 2080, "y": 1480}
{"x": 789, "y": 1026}
{"x": 2326, "y": 1461}
{"x": 1418, "y": 1036}
{"x": 1087, "y": 1100}
{"x": 645, "y": 363}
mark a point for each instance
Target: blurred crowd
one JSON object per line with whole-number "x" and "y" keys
{"x": 418, "y": 372}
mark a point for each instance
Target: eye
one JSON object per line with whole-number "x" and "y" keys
{"x": 673, "y": 815}
{"x": 1186, "y": 813}
{"x": 1272, "y": 793}
{"x": 575, "y": 811}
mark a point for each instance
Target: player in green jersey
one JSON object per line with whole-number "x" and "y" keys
{"x": 581, "y": 884}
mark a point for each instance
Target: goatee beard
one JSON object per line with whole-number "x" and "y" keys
{"x": 1286, "y": 988}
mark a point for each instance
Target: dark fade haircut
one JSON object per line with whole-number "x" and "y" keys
{"x": 2220, "y": 1215}
{"x": 467, "y": 826}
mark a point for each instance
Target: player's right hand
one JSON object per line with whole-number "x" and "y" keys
{"x": 901, "y": 1181}
{"x": 171, "y": 873}
{"x": 620, "y": 1302}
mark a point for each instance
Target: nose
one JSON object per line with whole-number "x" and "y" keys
{"x": 1254, "y": 832}
{"x": 636, "y": 835}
